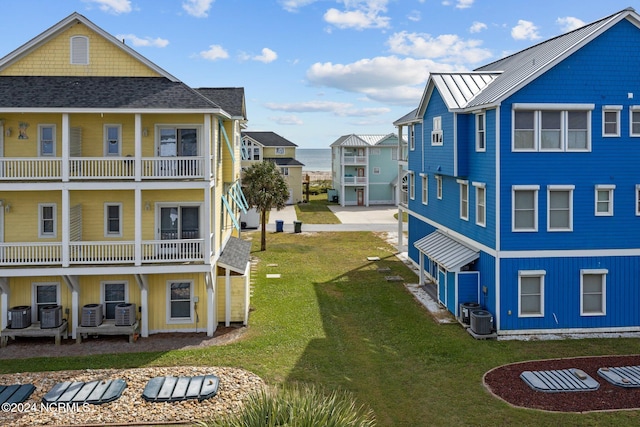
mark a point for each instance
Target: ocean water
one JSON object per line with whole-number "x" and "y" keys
{"x": 314, "y": 159}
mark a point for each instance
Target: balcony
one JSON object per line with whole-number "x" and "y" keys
{"x": 101, "y": 168}
{"x": 350, "y": 159}
{"x": 354, "y": 180}
{"x": 404, "y": 197}
{"x": 102, "y": 253}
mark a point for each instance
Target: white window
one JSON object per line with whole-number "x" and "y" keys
{"x": 550, "y": 127}
{"x": 79, "y": 50}
{"x": 376, "y": 171}
{"x": 481, "y": 204}
{"x": 279, "y": 150}
{"x": 634, "y": 120}
{"x": 425, "y": 189}
{"x": 44, "y": 294}
{"x": 611, "y": 120}
{"x": 525, "y": 208}
{"x": 531, "y": 293}
{"x": 480, "y": 132}
{"x": 47, "y": 220}
{"x": 604, "y": 200}
{"x": 113, "y": 293}
{"x": 112, "y": 140}
{"x": 412, "y": 138}
{"x": 412, "y": 186}
{"x": 436, "y": 134}
{"x": 179, "y": 302}
{"x": 593, "y": 292}
{"x": 47, "y": 140}
{"x": 284, "y": 171}
{"x": 637, "y": 199}
{"x": 113, "y": 220}
{"x": 375, "y": 151}
{"x": 560, "y": 208}
{"x": 464, "y": 199}
{"x": 439, "y": 187}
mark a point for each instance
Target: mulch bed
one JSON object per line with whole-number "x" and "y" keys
{"x": 505, "y": 383}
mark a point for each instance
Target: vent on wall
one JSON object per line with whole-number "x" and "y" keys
{"x": 91, "y": 315}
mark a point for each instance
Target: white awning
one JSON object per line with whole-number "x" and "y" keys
{"x": 446, "y": 251}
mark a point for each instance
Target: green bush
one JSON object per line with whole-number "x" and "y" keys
{"x": 298, "y": 406}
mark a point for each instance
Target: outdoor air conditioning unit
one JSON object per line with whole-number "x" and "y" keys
{"x": 92, "y": 315}
{"x": 481, "y": 322}
{"x": 19, "y": 317}
{"x": 465, "y": 311}
{"x": 50, "y": 316}
{"x": 125, "y": 314}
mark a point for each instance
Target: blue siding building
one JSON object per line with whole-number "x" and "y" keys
{"x": 524, "y": 183}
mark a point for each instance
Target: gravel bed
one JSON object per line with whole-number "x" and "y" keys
{"x": 130, "y": 408}
{"x": 505, "y": 383}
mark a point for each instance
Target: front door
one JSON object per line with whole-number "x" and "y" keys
{"x": 360, "y": 194}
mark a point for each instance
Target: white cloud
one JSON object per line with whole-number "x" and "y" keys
{"x": 476, "y": 27}
{"x": 359, "y": 14}
{"x": 290, "y": 120}
{"x": 267, "y": 56}
{"x": 414, "y": 16}
{"x": 113, "y": 6}
{"x": 215, "y": 52}
{"x": 525, "y": 30}
{"x": 294, "y": 5}
{"x": 147, "y": 41}
{"x": 464, "y": 4}
{"x": 569, "y": 23}
{"x": 197, "y": 8}
{"x": 342, "y": 109}
{"x": 448, "y": 48}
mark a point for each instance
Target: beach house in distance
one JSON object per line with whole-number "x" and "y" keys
{"x": 364, "y": 169}
{"x": 258, "y": 146}
{"x": 120, "y": 187}
{"x": 524, "y": 187}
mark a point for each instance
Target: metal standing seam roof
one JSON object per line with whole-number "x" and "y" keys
{"x": 446, "y": 251}
{"x": 459, "y": 89}
{"x": 360, "y": 140}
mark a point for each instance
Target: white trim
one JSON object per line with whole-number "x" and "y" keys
{"x": 34, "y": 294}
{"x": 412, "y": 185}
{"x": 481, "y": 187}
{"x": 514, "y": 189}
{"x": 113, "y": 282}
{"x": 53, "y": 234}
{"x": 439, "y": 189}
{"x": 74, "y": 53}
{"x": 540, "y": 274}
{"x": 637, "y": 199}
{"x": 180, "y": 320}
{"x": 107, "y": 233}
{"x": 603, "y": 290}
{"x": 53, "y": 136}
{"x": 565, "y": 189}
{"x": 464, "y": 193}
{"x": 481, "y": 115}
{"x": 633, "y": 109}
{"x": 611, "y": 109}
{"x": 425, "y": 189}
{"x": 609, "y": 191}
{"x": 437, "y": 137}
{"x": 105, "y": 132}
{"x": 545, "y": 106}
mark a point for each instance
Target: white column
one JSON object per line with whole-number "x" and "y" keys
{"x": 212, "y": 320}
{"x": 75, "y": 310}
{"x": 206, "y": 147}
{"x": 66, "y": 144}
{"x": 4, "y": 302}
{"x": 137, "y": 142}
{"x": 66, "y": 227}
{"x": 137, "y": 227}
{"x": 421, "y": 280}
{"x": 227, "y": 297}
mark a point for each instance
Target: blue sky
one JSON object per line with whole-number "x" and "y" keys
{"x": 315, "y": 69}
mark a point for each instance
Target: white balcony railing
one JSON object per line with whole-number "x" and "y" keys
{"x": 116, "y": 168}
{"x": 404, "y": 197}
{"x": 357, "y": 180}
{"x": 29, "y": 168}
{"x": 103, "y": 253}
{"x": 354, "y": 160}
{"x": 30, "y": 254}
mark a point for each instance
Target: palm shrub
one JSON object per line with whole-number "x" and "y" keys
{"x": 298, "y": 406}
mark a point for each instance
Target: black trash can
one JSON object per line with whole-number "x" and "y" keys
{"x": 297, "y": 226}
{"x": 279, "y": 226}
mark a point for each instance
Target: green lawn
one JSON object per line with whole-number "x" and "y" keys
{"x": 316, "y": 211}
{"x": 332, "y": 320}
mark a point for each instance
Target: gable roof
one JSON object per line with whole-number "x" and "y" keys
{"x": 365, "y": 140}
{"x": 67, "y": 23}
{"x": 230, "y": 99}
{"x": 492, "y": 83}
{"x": 268, "y": 139}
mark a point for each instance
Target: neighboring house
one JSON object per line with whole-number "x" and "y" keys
{"x": 523, "y": 183}
{"x": 259, "y": 146}
{"x": 364, "y": 169}
{"x": 120, "y": 184}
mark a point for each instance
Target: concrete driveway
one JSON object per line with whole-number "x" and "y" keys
{"x": 365, "y": 214}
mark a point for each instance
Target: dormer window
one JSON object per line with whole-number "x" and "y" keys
{"x": 79, "y": 50}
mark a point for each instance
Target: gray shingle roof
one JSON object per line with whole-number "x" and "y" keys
{"x": 99, "y": 92}
{"x": 269, "y": 139}
{"x": 230, "y": 99}
{"x": 284, "y": 161}
{"x": 235, "y": 255}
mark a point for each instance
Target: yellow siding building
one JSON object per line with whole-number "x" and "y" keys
{"x": 120, "y": 187}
